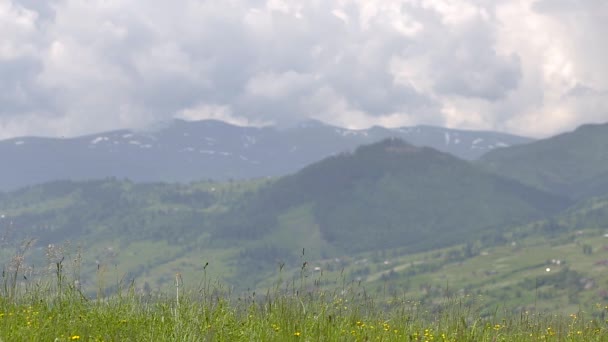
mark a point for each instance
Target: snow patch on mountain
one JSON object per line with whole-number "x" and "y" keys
{"x": 239, "y": 152}
{"x": 350, "y": 132}
{"x": 98, "y": 140}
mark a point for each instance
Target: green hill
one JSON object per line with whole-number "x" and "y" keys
{"x": 131, "y": 231}
{"x": 390, "y": 194}
{"x": 573, "y": 164}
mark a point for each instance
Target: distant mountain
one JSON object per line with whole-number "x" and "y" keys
{"x": 183, "y": 151}
{"x": 573, "y": 164}
{"x": 389, "y": 194}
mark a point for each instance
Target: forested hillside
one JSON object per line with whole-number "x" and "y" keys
{"x": 573, "y": 164}
{"x": 392, "y": 194}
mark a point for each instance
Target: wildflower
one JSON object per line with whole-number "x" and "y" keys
{"x": 297, "y": 334}
{"x": 428, "y": 335}
{"x": 75, "y": 337}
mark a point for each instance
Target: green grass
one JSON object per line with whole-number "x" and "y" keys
{"x": 54, "y": 310}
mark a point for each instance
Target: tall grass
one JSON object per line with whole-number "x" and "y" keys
{"x": 54, "y": 308}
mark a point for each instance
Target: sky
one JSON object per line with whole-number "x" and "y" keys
{"x": 529, "y": 67}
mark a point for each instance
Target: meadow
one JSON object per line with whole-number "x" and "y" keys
{"x": 55, "y": 308}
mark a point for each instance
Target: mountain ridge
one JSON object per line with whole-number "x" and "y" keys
{"x": 184, "y": 151}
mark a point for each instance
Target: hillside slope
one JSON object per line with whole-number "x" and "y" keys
{"x": 573, "y": 164}
{"x": 391, "y": 194}
{"x": 557, "y": 264}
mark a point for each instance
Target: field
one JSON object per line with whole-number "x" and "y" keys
{"x": 54, "y": 309}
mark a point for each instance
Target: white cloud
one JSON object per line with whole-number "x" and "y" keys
{"x": 559, "y": 48}
{"x": 341, "y": 15}
{"x": 278, "y": 85}
{"x": 17, "y": 31}
{"x": 217, "y": 112}
{"x": 456, "y": 12}
{"x": 528, "y": 66}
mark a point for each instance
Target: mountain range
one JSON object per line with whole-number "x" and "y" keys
{"x": 184, "y": 151}
{"x": 385, "y": 197}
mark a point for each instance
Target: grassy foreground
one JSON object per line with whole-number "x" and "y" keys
{"x": 58, "y": 311}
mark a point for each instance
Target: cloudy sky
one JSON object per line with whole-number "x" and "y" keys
{"x": 532, "y": 67}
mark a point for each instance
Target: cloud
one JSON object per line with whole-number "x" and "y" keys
{"x": 533, "y": 67}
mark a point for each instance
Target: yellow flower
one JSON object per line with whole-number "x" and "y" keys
{"x": 297, "y": 333}
{"x": 75, "y": 337}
